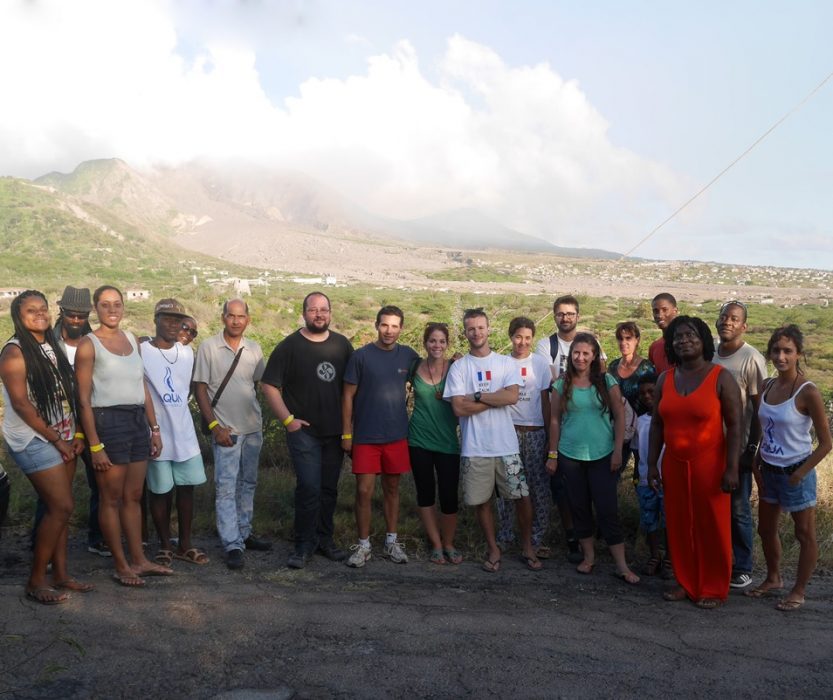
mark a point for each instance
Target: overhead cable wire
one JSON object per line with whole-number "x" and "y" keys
{"x": 778, "y": 123}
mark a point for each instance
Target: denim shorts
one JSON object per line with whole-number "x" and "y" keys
{"x": 792, "y": 499}
{"x": 125, "y": 433}
{"x": 37, "y": 456}
{"x": 651, "y": 508}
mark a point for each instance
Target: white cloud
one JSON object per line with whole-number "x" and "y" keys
{"x": 100, "y": 79}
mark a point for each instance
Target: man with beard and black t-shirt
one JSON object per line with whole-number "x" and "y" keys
{"x": 303, "y": 385}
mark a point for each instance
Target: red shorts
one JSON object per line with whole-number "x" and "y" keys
{"x": 387, "y": 458}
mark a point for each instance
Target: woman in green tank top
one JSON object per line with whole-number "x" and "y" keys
{"x": 435, "y": 447}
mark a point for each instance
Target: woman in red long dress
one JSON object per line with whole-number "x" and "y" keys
{"x": 694, "y": 400}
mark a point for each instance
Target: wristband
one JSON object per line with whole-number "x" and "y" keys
{"x": 80, "y": 436}
{"x": 347, "y": 436}
{"x": 97, "y": 448}
{"x": 552, "y": 455}
{"x": 213, "y": 424}
{"x": 286, "y": 421}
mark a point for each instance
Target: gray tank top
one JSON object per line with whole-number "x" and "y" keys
{"x": 117, "y": 379}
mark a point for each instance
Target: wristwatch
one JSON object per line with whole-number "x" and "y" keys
{"x": 477, "y": 396}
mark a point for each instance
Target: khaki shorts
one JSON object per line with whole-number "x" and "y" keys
{"x": 482, "y": 475}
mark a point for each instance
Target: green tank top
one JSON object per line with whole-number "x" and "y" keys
{"x": 433, "y": 424}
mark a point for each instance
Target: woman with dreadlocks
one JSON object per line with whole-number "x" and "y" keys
{"x": 39, "y": 427}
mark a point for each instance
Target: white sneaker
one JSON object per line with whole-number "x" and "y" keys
{"x": 359, "y": 557}
{"x": 396, "y": 553}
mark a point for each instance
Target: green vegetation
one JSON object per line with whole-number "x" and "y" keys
{"x": 46, "y": 246}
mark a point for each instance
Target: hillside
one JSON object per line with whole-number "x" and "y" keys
{"x": 51, "y": 239}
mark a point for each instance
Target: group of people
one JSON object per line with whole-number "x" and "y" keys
{"x": 554, "y": 424}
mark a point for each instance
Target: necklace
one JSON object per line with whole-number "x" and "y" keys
{"x": 176, "y": 357}
{"x": 437, "y": 393}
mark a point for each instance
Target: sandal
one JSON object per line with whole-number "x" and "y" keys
{"x": 165, "y": 557}
{"x": 72, "y": 584}
{"x": 709, "y": 603}
{"x": 787, "y": 605}
{"x": 532, "y": 563}
{"x": 193, "y": 555}
{"x": 437, "y": 557}
{"x": 627, "y": 576}
{"x": 453, "y": 556}
{"x": 543, "y": 552}
{"x": 653, "y": 566}
{"x": 46, "y": 595}
{"x": 763, "y": 591}
{"x": 128, "y": 580}
{"x": 490, "y": 566}
{"x": 585, "y": 568}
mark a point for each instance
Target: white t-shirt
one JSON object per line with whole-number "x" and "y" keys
{"x": 168, "y": 377}
{"x": 491, "y": 433}
{"x": 558, "y": 365}
{"x": 535, "y": 378}
{"x": 748, "y": 367}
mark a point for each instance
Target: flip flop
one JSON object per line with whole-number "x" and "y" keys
{"x": 437, "y": 557}
{"x": 787, "y": 605}
{"x": 72, "y": 584}
{"x": 762, "y": 592}
{"x": 585, "y": 568}
{"x": 490, "y": 566}
{"x": 531, "y": 563}
{"x": 193, "y": 555}
{"x": 154, "y": 572}
{"x": 453, "y": 556}
{"x": 628, "y": 577}
{"x": 46, "y": 595}
{"x": 134, "y": 581}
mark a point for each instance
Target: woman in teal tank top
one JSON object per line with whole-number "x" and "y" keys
{"x": 434, "y": 447}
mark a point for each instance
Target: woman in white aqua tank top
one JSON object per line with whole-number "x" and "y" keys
{"x": 120, "y": 424}
{"x": 785, "y": 465}
{"x": 39, "y": 429}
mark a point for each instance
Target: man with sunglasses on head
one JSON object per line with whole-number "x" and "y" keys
{"x": 303, "y": 386}
{"x": 73, "y": 323}
{"x": 748, "y": 367}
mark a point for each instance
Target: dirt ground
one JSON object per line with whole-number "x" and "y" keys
{"x": 391, "y": 631}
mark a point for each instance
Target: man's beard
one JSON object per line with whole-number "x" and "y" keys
{"x": 318, "y": 331}
{"x": 73, "y": 332}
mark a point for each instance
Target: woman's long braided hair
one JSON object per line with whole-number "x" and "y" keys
{"x": 48, "y": 385}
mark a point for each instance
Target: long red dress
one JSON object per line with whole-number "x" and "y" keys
{"x": 697, "y": 512}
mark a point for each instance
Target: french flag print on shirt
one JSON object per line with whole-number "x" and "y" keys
{"x": 488, "y": 375}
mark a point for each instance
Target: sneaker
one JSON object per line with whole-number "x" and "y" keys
{"x": 574, "y": 553}
{"x": 297, "y": 560}
{"x": 100, "y": 548}
{"x": 395, "y": 552}
{"x": 257, "y": 544}
{"x": 359, "y": 557}
{"x": 332, "y": 552}
{"x": 234, "y": 559}
{"x": 740, "y": 581}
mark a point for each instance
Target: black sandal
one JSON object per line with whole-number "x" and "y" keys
{"x": 653, "y": 566}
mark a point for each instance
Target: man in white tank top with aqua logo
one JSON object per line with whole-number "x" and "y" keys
{"x": 168, "y": 368}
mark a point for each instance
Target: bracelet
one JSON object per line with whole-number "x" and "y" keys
{"x": 347, "y": 436}
{"x": 154, "y": 428}
{"x": 213, "y": 424}
{"x": 80, "y": 436}
{"x": 752, "y": 447}
{"x": 286, "y": 421}
{"x": 552, "y": 455}
{"x": 97, "y": 448}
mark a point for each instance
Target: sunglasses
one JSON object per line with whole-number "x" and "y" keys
{"x": 189, "y": 330}
{"x": 76, "y": 315}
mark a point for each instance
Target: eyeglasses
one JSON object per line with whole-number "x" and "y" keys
{"x": 566, "y": 314}
{"x": 733, "y": 302}
{"x": 190, "y": 331}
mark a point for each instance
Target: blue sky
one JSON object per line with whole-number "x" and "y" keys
{"x": 581, "y": 123}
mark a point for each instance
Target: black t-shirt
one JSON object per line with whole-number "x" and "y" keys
{"x": 310, "y": 377}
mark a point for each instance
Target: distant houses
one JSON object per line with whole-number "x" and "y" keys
{"x": 137, "y": 295}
